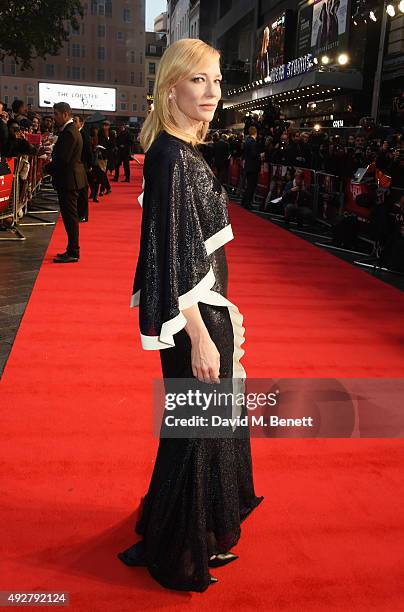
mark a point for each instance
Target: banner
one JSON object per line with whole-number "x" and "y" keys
{"x": 322, "y": 27}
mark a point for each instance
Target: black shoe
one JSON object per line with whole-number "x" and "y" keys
{"x": 133, "y": 556}
{"x": 95, "y": 200}
{"x": 62, "y": 254}
{"x": 222, "y": 559}
{"x": 108, "y": 191}
{"x": 66, "y": 258}
{"x": 213, "y": 579}
{"x": 101, "y": 194}
{"x": 125, "y": 181}
{"x": 83, "y": 220}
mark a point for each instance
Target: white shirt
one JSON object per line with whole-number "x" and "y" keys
{"x": 64, "y": 125}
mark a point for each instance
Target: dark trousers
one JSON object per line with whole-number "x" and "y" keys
{"x": 301, "y": 213}
{"x": 223, "y": 173}
{"x": 68, "y": 209}
{"x": 82, "y": 203}
{"x": 252, "y": 180}
{"x": 122, "y": 158}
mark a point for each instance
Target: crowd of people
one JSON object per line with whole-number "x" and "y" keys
{"x": 104, "y": 150}
{"x": 312, "y": 148}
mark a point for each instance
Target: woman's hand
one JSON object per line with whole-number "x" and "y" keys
{"x": 205, "y": 359}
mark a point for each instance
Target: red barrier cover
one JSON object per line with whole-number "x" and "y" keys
{"x": 6, "y": 185}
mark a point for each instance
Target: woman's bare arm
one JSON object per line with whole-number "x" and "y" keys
{"x": 205, "y": 357}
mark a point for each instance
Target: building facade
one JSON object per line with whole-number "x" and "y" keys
{"x": 156, "y": 43}
{"x": 107, "y": 51}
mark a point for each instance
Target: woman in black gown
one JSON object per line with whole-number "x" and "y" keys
{"x": 201, "y": 489}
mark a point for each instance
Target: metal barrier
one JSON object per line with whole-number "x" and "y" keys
{"x": 332, "y": 199}
{"x": 18, "y": 186}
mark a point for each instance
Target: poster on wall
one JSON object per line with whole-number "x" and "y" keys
{"x": 329, "y": 24}
{"x": 304, "y": 31}
{"x": 322, "y": 27}
{"x": 270, "y": 47}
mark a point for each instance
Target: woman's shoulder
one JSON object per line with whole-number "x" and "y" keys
{"x": 165, "y": 148}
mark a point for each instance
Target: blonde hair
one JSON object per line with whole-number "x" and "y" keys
{"x": 179, "y": 60}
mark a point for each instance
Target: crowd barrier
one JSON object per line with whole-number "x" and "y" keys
{"x": 20, "y": 180}
{"x": 331, "y": 195}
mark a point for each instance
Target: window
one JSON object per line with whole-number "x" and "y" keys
{"x": 126, "y": 15}
{"x": 13, "y": 68}
{"x": 101, "y": 30}
{"x": 50, "y": 71}
{"x": 119, "y": 35}
{"x": 132, "y": 57}
{"x": 101, "y": 9}
{"x": 30, "y": 100}
{"x": 140, "y": 78}
{"x": 143, "y": 107}
{"x": 151, "y": 87}
{"x": 153, "y": 49}
{"x": 132, "y": 78}
{"x": 141, "y": 57}
{"x": 100, "y": 74}
{"x": 101, "y": 53}
{"x": 152, "y": 68}
{"x": 134, "y": 106}
{"x": 76, "y": 73}
{"x": 83, "y": 51}
{"x": 108, "y": 8}
{"x": 123, "y": 105}
{"x": 6, "y": 100}
{"x": 76, "y": 50}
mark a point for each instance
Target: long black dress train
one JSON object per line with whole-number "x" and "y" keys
{"x": 201, "y": 489}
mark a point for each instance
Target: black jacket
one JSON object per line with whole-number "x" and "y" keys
{"x": 251, "y": 155}
{"x": 66, "y": 167}
{"x": 87, "y": 151}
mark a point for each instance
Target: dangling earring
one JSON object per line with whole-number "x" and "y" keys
{"x": 170, "y": 96}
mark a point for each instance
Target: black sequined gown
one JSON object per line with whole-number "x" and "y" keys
{"x": 201, "y": 489}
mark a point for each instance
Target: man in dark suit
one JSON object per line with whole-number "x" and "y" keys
{"x": 68, "y": 177}
{"x": 252, "y": 166}
{"x": 87, "y": 159}
{"x": 124, "y": 144}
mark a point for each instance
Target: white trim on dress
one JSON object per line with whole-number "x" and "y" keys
{"x": 202, "y": 292}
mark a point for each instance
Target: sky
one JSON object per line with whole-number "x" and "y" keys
{"x": 153, "y": 8}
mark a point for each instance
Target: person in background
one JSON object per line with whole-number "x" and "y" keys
{"x": 3, "y": 129}
{"x": 68, "y": 174}
{"x": 87, "y": 160}
{"x": 105, "y": 141}
{"x": 113, "y": 152}
{"x": 297, "y": 201}
{"x": 35, "y": 125}
{"x": 252, "y": 166}
{"x": 16, "y": 144}
{"x": 20, "y": 110}
{"x": 48, "y": 124}
{"x": 123, "y": 143}
{"x": 221, "y": 154}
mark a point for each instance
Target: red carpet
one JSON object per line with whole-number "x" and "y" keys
{"x": 77, "y": 447}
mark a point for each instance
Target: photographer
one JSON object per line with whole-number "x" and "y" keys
{"x": 279, "y": 153}
{"x": 297, "y": 201}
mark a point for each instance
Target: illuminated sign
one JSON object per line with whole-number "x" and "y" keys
{"x": 292, "y": 68}
{"x": 80, "y": 97}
